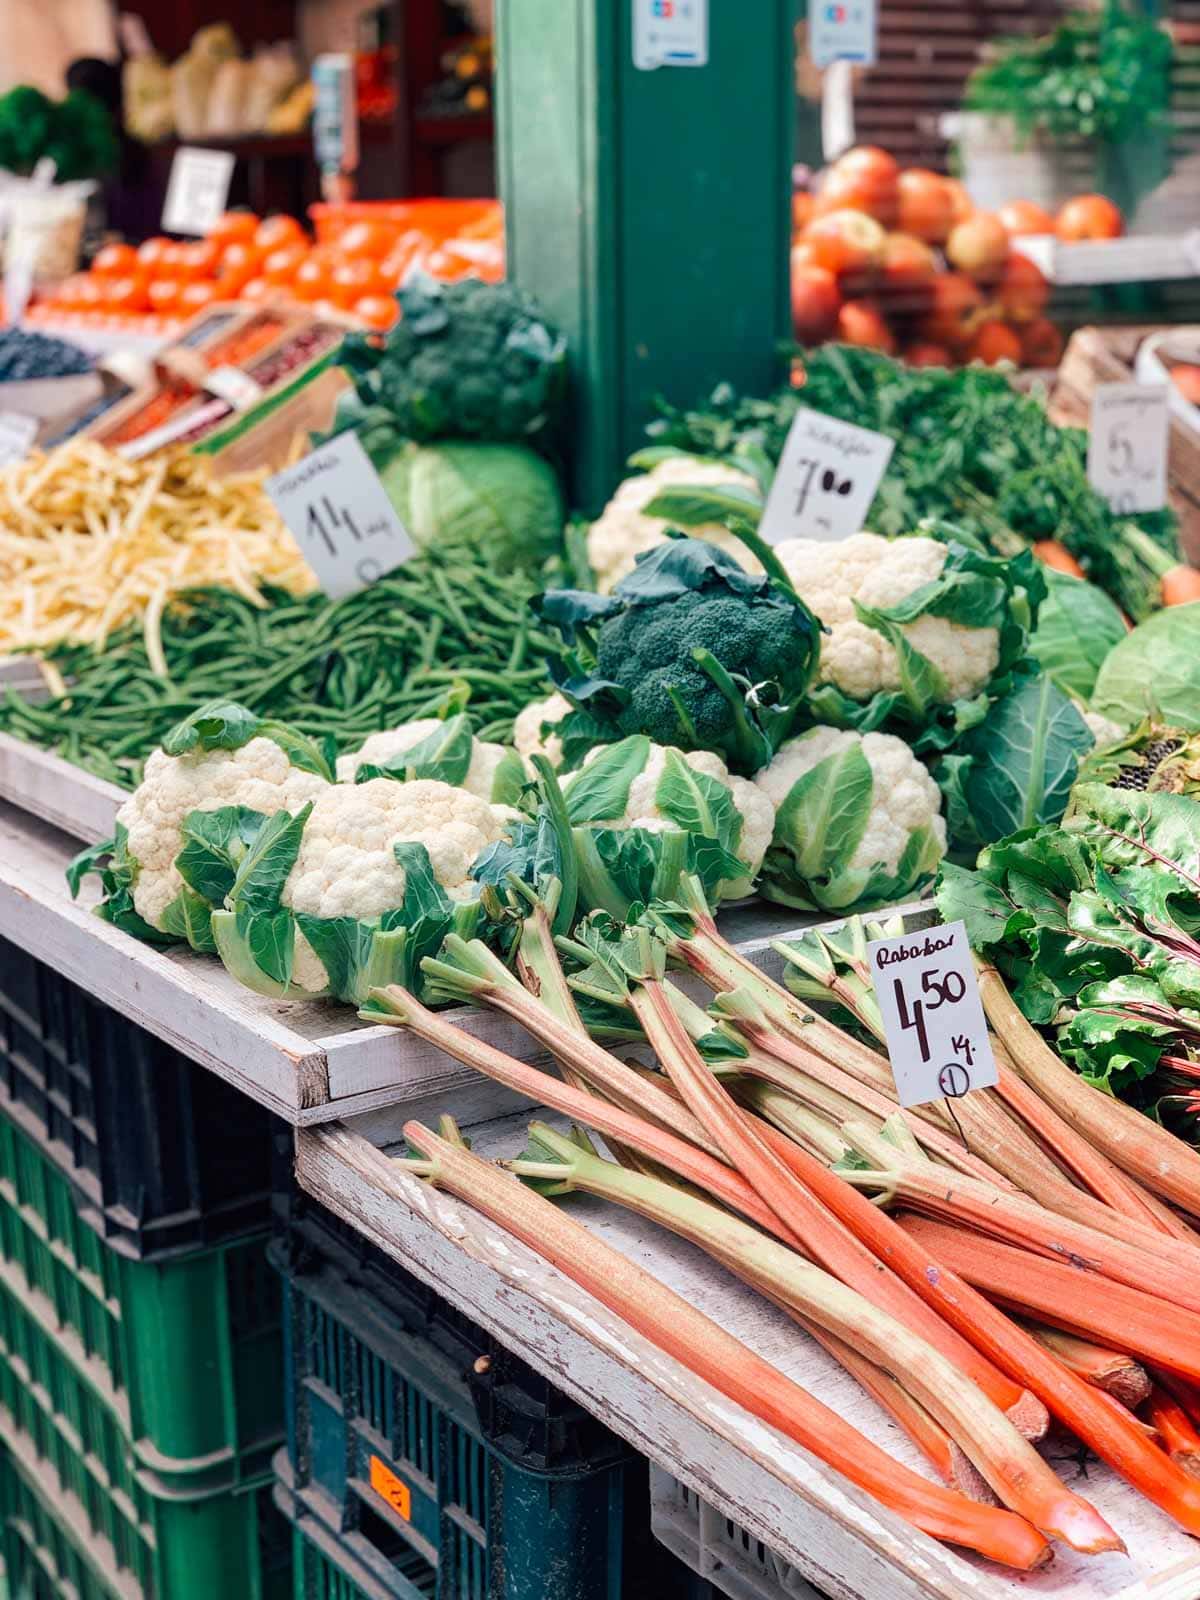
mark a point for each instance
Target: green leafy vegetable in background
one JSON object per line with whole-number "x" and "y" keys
{"x": 76, "y": 133}
{"x": 1015, "y": 768}
{"x": 1154, "y": 671}
{"x": 1077, "y": 627}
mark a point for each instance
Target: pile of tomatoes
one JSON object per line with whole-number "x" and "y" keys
{"x": 900, "y": 260}
{"x": 355, "y": 270}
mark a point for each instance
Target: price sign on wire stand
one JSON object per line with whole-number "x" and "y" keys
{"x": 828, "y": 477}
{"x": 1127, "y": 451}
{"x": 843, "y": 30}
{"x": 198, "y": 190}
{"x": 670, "y": 33}
{"x": 937, "y": 1038}
{"x": 341, "y": 517}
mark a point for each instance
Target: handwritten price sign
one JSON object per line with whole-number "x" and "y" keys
{"x": 937, "y": 1038}
{"x": 827, "y": 479}
{"x": 1127, "y": 451}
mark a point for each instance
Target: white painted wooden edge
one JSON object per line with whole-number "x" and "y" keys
{"x": 848, "y": 1545}
{"x": 57, "y": 791}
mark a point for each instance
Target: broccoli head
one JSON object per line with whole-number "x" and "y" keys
{"x": 689, "y": 649}
{"x": 466, "y": 360}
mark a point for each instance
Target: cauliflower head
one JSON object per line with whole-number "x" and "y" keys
{"x": 258, "y": 775}
{"x": 529, "y": 730}
{"x": 648, "y": 791}
{"x": 623, "y": 530}
{"x": 445, "y": 750}
{"x": 876, "y": 574}
{"x": 857, "y": 821}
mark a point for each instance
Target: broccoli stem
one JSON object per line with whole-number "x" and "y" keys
{"x": 753, "y": 747}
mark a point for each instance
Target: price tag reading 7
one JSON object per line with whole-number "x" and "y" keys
{"x": 933, "y": 1018}
{"x": 340, "y": 515}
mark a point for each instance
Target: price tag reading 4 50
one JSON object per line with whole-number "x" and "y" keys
{"x": 937, "y": 1036}
{"x": 340, "y": 516}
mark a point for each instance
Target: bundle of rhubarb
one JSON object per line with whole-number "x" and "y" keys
{"x": 1030, "y": 1258}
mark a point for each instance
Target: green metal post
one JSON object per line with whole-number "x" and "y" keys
{"x": 647, "y": 210}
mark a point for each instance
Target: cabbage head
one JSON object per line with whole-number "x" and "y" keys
{"x": 1154, "y": 672}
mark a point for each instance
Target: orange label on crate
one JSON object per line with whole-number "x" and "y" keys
{"x": 391, "y": 1488}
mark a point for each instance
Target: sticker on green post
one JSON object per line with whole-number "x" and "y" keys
{"x": 670, "y": 33}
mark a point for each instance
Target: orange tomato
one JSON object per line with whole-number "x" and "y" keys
{"x": 372, "y": 240}
{"x": 926, "y": 354}
{"x": 201, "y": 260}
{"x": 802, "y": 210}
{"x": 956, "y": 309}
{"x": 326, "y": 308}
{"x": 1023, "y": 289}
{"x": 311, "y": 278}
{"x": 163, "y": 295}
{"x": 926, "y": 205}
{"x": 961, "y": 203}
{"x": 194, "y": 297}
{"x": 860, "y": 322}
{"x": 804, "y": 254}
{"x": 907, "y": 263}
{"x": 282, "y": 264}
{"x": 275, "y": 232}
{"x": 239, "y": 263}
{"x": 846, "y": 241}
{"x": 993, "y": 343}
{"x": 815, "y": 304}
{"x": 234, "y": 225}
{"x": 116, "y": 261}
{"x": 1021, "y": 217}
{"x": 1041, "y": 343}
{"x": 89, "y": 293}
{"x": 150, "y": 253}
{"x": 1090, "y": 216}
{"x": 1186, "y": 378}
{"x": 259, "y": 291}
{"x": 125, "y": 294}
{"x": 356, "y": 280}
{"x": 376, "y": 310}
{"x": 979, "y": 246}
{"x": 864, "y": 179}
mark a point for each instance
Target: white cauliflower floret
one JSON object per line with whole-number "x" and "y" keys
{"x": 259, "y": 776}
{"x": 878, "y": 573}
{"x": 622, "y": 531}
{"x": 753, "y": 805}
{"x": 380, "y": 748}
{"x": 904, "y": 796}
{"x": 527, "y": 729}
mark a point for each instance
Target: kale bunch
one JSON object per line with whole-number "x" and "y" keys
{"x": 467, "y": 360}
{"x": 690, "y": 650}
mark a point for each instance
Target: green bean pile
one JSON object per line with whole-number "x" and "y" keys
{"x": 342, "y": 669}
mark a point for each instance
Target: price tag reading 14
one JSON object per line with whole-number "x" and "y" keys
{"x": 340, "y": 516}
{"x": 933, "y": 1018}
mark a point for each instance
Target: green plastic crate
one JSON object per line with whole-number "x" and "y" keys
{"x": 321, "y": 1570}
{"x": 185, "y": 1353}
{"x": 232, "y": 1546}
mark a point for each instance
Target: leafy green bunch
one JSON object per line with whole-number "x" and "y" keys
{"x": 689, "y": 649}
{"x": 76, "y": 133}
{"x": 1095, "y": 925}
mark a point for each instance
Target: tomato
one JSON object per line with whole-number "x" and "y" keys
{"x": 870, "y": 162}
{"x": 993, "y": 343}
{"x": 906, "y": 266}
{"x": 259, "y": 291}
{"x": 1022, "y": 217}
{"x": 239, "y": 263}
{"x": 194, "y": 297}
{"x": 376, "y": 310}
{"x": 926, "y": 354}
{"x": 979, "y": 246}
{"x": 150, "y": 254}
{"x": 1022, "y": 288}
{"x": 281, "y": 265}
{"x": 125, "y": 294}
{"x": 275, "y": 232}
{"x": 802, "y": 210}
{"x": 89, "y": 293}
{"x": 1090, "y": 216}
{"x": 961, "y": 204}
{"x": 860, "y": 322}
{"x": 846, "y": 241}
{"x": 327, "y": 308}
{"x": 234, "y": 226}
{"x": 1041, "y": 343}
{"x": 311, "y": 278}
{"x": 1186, "y": 379}
{"x": 163, "y": 295}
{"x": 925, "y": 205}
{"x": 200, "y": 260}
{"x": 356, "y": 280}
{"x": 815, "y": 304}
{"x": 864, "y": 180}
{"x": 116, "y": 261}
{"x": 372, "y": 240}
{"x": 956, "y": 310}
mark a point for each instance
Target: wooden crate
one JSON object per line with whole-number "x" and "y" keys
{"x": 1107, "y": 355}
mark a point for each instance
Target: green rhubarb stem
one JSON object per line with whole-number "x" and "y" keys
{"x": 677, "y": 1329}
{"x": 1014, "y": 1470}
{"x": 1147, "y": 1152}
{"x": 803, "y": 1216}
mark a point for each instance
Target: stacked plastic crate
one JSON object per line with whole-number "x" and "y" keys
{"x": 426, "y": 1462}
{"x": 140, "y": 1324}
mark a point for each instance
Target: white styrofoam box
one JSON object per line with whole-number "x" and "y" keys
{"x": 1176, "y": 344}
{"x": 716, "y": 1548}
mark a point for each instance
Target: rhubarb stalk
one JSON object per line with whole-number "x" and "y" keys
{"x": 1114, "y": 1371}
{"x": 673, "y": 1326}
